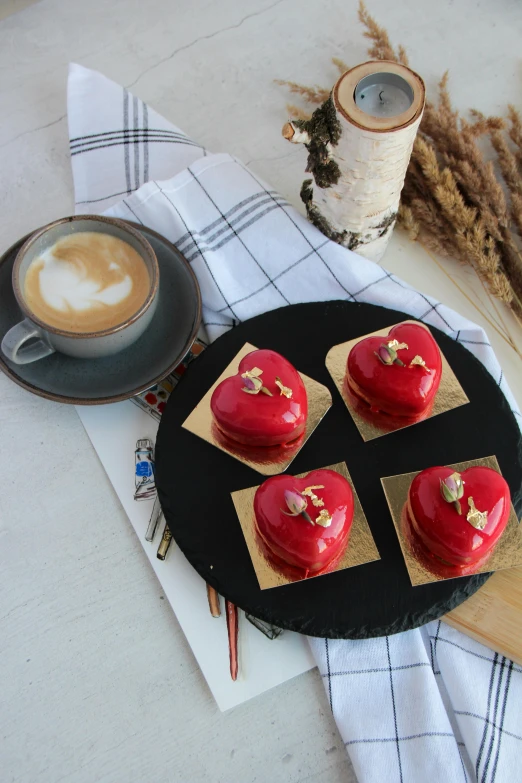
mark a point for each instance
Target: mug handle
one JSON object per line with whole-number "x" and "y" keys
{"x": 13, "y": 344}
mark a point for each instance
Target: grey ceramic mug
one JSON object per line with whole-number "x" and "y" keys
{"x": 32, "y": 339}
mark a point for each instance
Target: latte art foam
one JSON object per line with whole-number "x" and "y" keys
{"x": 87, "y": 282}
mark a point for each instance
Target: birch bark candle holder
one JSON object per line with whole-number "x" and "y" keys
{"x": 359, "y": 145}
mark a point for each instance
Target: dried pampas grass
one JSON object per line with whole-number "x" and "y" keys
{"x": 454, "y": 201}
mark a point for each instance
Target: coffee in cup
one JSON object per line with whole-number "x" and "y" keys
{"x": 88, "y": 286}
{"x": 86, "y": 282}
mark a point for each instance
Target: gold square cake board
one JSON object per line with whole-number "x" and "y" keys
{"x": 507, "y": 552}
{"x": 450, "y": 393}
{"x": 200, "y": 420}
{"x": 361, "y": 546}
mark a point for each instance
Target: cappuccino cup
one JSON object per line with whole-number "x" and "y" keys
{"x": 88, "y": 287}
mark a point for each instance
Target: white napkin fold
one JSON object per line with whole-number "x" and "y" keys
{"x": 429, "y": 704}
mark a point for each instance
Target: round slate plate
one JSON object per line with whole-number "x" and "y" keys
{"x": 195, "y": 480}
{"x": 157, "y": 352}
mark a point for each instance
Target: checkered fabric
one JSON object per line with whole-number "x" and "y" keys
{"x": 429, "y": 704}
{"x": 425, "y": 705}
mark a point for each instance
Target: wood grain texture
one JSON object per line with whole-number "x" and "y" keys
{"x": 493, "y": 616}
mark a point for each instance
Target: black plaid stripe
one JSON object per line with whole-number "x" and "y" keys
{"x": 128, "y": 136}
{"x": 290, "y": 218}
{"x": 432, "y": 305}
{"x": 402, "y": 739}
{"x": 394, "y": 708}
{"x": 233, "y": 231}
{"x": 182, "y": 219}
{"x": 487, "y": 760}
{"x": 369, "y": 285}
{"x": 437, "y": 672}
{"x": 436, "y": 669}
{"x": 329, "y": 675}
{"x": 502, "y": 717}
{"x": 472, "y": 652}
{"x": 431, "y": 656}
{"x": 474, "y": 342}
{"x": 376, "y": 669}
{"x": 497, "y": 729}
{"x": 224, "y": 224}
{"x": 486, "y": 723}
{"x": 228, "y": 307}
{"x": 103, "y": 198}
{"x": 251, "y": 204}
{"x": 222, "y": 219}
{"x": 145, "y": 111}
{"x": 500, "y": 728}
{"x": 101, "y": 138}
{"x": 132, "y": 212}
{"x": 125, "y": 128}
{"x": 278, "y": 276}
{"x": 126, "y": 141}
{"x": 252, "y": 256}
{"x": 387, "y": 275}
{"x": 136, "y": 146}
{"x": 225, "y": 326}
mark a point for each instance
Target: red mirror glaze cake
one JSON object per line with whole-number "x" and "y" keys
{"x": 264, "y": 404}
{"x": 399, "y": 374}
{"x": 305, "y": 522}
{"x": 459, "y": 517}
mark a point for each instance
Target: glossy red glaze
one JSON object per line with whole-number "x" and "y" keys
{"x": 445, "y": 533}
{"x": 262, "y": 455}
{"x": 400, "y": 391}
{"x": 257, "y": 419}
{"x": 310, "y": 548}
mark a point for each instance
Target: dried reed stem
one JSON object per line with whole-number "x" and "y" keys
{"x": 341, "y": 66}
{"x": 453, "y": 202}
{"x": 515, "y": 132}
{"x": 311, "y": 94}
{"x": 381, "y": 48}
{"x": 297, "y": 113}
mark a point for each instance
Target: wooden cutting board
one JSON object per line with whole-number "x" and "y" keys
{"x": 493, "y": 616}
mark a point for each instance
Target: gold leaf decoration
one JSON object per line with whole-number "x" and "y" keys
{"x": 324, "y": 519}
{"x": 419, "y": 361}
{"x": 309, "y": 492}
{"x": 478, "y": 519}
{"x": 396, "y": 345}
{"x": 287, "y": 392}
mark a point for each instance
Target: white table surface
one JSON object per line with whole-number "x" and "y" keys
{"x": 97, "y": 680}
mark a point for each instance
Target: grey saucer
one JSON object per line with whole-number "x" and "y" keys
{"x": 157, "y": 352}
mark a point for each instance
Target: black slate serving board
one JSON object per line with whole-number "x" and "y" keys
{"x": 195, "y": 479}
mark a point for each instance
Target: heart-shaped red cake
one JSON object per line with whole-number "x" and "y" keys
{"x": 398, "y": 374}
{"x": 265, "y": 404}
{"x": 436, "y": 496}
{"x": 305, "y": 522}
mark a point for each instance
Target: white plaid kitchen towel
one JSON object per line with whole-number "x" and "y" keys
{"x": 429, "y": 704}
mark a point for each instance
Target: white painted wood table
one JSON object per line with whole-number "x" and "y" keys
{"x": 97, "y": 680}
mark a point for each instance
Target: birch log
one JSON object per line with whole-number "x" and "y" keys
{"x": 358, "y": 161}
